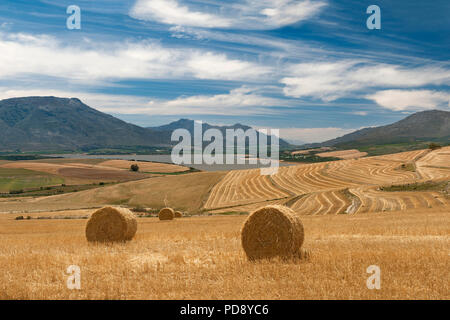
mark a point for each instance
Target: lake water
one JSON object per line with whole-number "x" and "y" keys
{"x": 167, "y": 159}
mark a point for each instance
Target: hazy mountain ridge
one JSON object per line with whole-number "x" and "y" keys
{"x": 189, "y": 125}
{"x": 35, "y": 124}
{"x": 420, "y": 126}
{"x": 50, "y": 123}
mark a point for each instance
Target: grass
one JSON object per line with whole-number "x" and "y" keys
{"x": 176, "y": 173}
{"x": 52, "y": 190}
{"x": 306, "y": 158}
{"x": 381, "y": 149}
{"x": 202, "y": 258}
{"x": 22, "y": 179}
{"x": 183, "y": 192}
{"x": 418, "y": 186}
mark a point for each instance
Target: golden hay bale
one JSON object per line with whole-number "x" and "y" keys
{"x": 178, "y": 214}
{"x": 166, "y": 214}
{"x": 111, "y": 224}
{"x": 272, "y": 231}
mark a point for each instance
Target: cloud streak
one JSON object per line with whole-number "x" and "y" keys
{"x": 252, "y": 14}
{"x": 411, "y": 100}
{"x": 329, "y": 81}
{"x": 25, "y": 54}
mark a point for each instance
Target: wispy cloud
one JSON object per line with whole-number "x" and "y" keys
{"x": 25, "y": 54}
{"x": 329, "y": 81}
{"x": 411, "y": 100}
{"x": 252, "y": 14}
{"x": 240, "y": 101}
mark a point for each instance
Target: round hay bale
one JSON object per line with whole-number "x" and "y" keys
{"x": 110, "y": 224}
{"x": 272, "y": 231}
{"x": 178, "y": 214}
{"x": 166, "y": 214}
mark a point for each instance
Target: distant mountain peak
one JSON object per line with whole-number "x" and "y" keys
{"x": 424, "y": 125}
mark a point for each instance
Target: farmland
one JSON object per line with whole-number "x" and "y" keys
{"x": 390, "y": 210}
{"x": 202, "y": 258}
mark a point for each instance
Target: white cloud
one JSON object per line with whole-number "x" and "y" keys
{"x": 332, "y": 80}
{"x": 24, "y": 54}
{"x": 360, "y": 113}
{"x": 171, "y": 12}
{"x": 250, "y": 14}
{"x": 411, "y": 100}
{"x": 241, "y": 101}
{"x": 102, "y": 102}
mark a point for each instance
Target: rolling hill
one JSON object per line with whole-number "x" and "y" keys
{"x": 431, "y": 125}
{"x": 50, "y": 123}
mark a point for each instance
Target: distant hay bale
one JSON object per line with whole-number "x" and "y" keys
{"x": 178, "y": 214}
{"x": 166, "y": 214}
{"x": 272, "y": 231}
{"x": 110, "y": 224}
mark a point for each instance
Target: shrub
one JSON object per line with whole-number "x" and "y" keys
{"x": 19, "y": 218}
{"x": 434, "y": 146}
{"x": 134, "y": 167}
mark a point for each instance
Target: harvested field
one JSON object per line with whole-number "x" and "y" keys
{"x": 322, "y": 183}
{"x": 145, "y": 166}
{"x": 202, "y": 258}
{"x": 312, "y": 188}
{"x": 77, "y": 173}
{"x": 373, "y": 200}
{"x": 435, "y": 165}
{"x": 95, "y": 174}
{"x": 183, "y": 192}
{"x": 343, "y": 154}
{"x": 407, "y": 156}
{"x": 241, "y": 187}
{"x": 327, "y": 202}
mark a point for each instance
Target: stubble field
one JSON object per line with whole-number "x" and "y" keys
{"x": 202, "y": 258}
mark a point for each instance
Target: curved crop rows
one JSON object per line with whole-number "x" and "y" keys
{"x": 369, "y": 171}
{"x": 239, "y": 187}
{"x": 435, "y": 165}
{"x": 407, "y": 156}
{"x": 307, "y": 178}
{"x": 372, "y": 200}
{"x": 328, "y": 202}
{"x": 318, "y": 188}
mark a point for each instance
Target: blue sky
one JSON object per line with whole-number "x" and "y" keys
{"x": 309, "y": 67}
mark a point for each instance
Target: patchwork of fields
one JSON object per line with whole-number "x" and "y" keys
{"x": 201, "y": 257}
{"x": 347, "y": 186}
{"x": 335, "y": 187}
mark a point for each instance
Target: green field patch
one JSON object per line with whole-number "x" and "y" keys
{"x": 12, "y": 179}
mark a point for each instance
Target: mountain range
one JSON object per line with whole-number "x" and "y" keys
{"x": 432, "y": 125}
{"x": 43, "y": 124}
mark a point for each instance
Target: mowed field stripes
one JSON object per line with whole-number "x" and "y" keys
{"x": 346, "y": 186}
